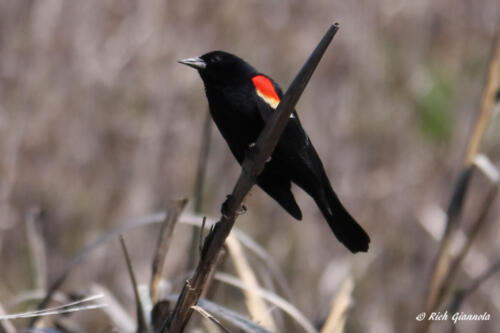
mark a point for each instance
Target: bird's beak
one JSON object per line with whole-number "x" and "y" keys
{"x": 196, "y": 63}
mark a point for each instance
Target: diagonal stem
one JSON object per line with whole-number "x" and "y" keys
{"x": 251, "y": 168}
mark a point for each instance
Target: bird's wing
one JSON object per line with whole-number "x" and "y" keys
{"x": 294, "y": 146}
{"x": 294, "y": 140}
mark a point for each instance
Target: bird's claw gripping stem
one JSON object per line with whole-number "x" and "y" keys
{"x": 225, "y": 207}
{"x": 242, "y": 210}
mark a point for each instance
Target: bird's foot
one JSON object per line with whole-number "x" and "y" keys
{"x": 242, "y": 210}
{"x": 225, "y": 207}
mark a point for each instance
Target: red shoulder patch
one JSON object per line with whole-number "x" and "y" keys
{"x": 265, "y": 86}
{"x": 265, "y": 90}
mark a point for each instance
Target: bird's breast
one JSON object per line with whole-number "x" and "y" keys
{"x": 235, "y": 114}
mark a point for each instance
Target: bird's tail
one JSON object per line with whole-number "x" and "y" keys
{"x": 343, "y": 225}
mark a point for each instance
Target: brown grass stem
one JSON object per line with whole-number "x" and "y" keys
{"x": 444, "y": 258}
{"x": 174, "y": 209}
{"x": 142, "y": 324}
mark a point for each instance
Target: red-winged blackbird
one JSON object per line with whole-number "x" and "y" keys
{"x": 241, "y": 100}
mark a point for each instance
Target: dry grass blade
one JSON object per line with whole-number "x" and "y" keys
{"x": 483, "y": 163}
{"x": 462, "y": 294}
{"x": 476, "y": 227}
{"x": 229, "y": 316}
{"x": 82, "y": 254}
{"x": 335, "y": 322}
{"x": 35, "y": 295}
{"x": 268, "y": 260}
{"x": 115, "y": 311}
{"x": 444, "y": 256}
{"x": 65, "y": 308}
{"x": 53, "y": 312}
{"x": 250, "y": 169}
{"x": 473, "y": 263}
{"x": 37, "y": 247}
{"x": 5, "y": 325}
{"x": 443, "y": 260}
{"x": 487, "y": 102}
{"x": 69, "y": 305}
{"x": 208, "y": 316}
{"x": 132, "y": 224}
{"x": 174, "y": 209}
{"x": 250, "y": 244}
{"x": 232, "y": 317}
{"x": 142, "y": 325}
{"x": 255, "y": 304}
{"x": 274, "y": 299}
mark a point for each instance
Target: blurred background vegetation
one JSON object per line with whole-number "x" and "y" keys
{"x": 100, "y": 125}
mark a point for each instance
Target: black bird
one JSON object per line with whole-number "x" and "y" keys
{"x": 241, "y": 100}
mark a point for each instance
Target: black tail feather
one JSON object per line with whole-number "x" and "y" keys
{"x": 343, "y": 225}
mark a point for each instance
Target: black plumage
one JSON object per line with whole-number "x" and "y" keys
{"x": 241, "y": 100}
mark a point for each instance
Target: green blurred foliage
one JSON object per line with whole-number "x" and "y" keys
{"x": 435, "y": 108}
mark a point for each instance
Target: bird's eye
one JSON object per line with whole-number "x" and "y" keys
{"x": 216, "y": 59}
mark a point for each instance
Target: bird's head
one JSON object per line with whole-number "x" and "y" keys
{"x": 221, "y": 68}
